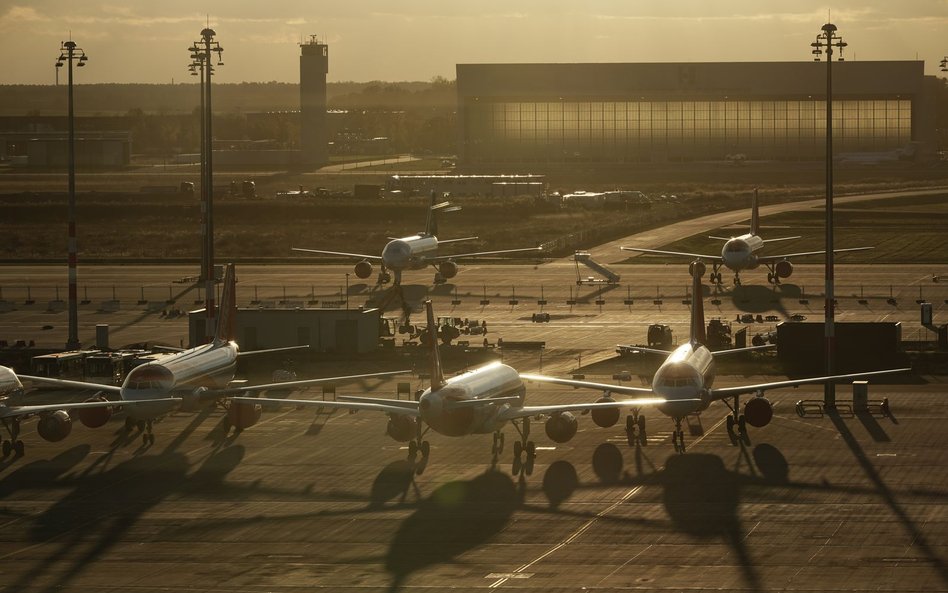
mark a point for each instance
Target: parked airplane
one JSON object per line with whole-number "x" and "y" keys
{"x": 684, "y": 380}
{"x": 480, "y": 401}
{"x": 415, "y": 252}
{"x": 740, "y": 253}
{"x": 184, "y": 380}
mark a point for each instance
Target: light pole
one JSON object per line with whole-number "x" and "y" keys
{"x": 825, "y": 42}
{"x": 201, "y": 52}
{"x": 68, "y": 52}
{"x": 197, "y": 69}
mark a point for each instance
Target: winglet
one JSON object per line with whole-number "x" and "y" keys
{"x": 698, "y": 331}
{"x": 226, "y": 322}
{"x": 755, "y": 215}
{"x": 437, "y": 374}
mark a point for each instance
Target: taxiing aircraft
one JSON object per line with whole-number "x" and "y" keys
{"x": 480, "y": 401}
{"x": 740, "y": 253}
{"x": 685, "y": 379}
{"x": 416, "y": 252}
{"x": 184, "y": 380}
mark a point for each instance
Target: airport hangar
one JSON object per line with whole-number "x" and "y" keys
{"x": 683, "y": 112}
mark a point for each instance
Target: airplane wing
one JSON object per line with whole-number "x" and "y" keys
{"x": 322, "y": 252}
{"x": 782, "y": 239}
{"x": 742, "y": 350}
{"x": 479, "y": 253}
{"x": 527, "y": 411}
{"x": 724, "y": 392}
{"x": 628, "y": 389}
{"x": 765, "y": 259}
{"x": 629, "y": 347}
{"x": 19, "y": 411}
{"x": 443, "y": 241}
{"x": 73, "y": 384}
{"x": 388, "y": 406}
{"x": 297, "y": 384}
{"x": 675, "y": 253}
{"x": 272, "y": 350}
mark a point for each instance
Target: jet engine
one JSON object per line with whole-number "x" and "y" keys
{"x": 54, "y": 427}
{"x": 696, "y": 269}
{"x": 95, "y": 417}
{"x": 363, "y": 269}
{"x": 605, "y": 417}
{"x": 400, "y": 428}
{"x": 448, "y": 269}
{"x": 242, "y": 415}
{"x": 783, "y": 269}
{"x": 561, "y": 427}
{"x": 758, "y": 412}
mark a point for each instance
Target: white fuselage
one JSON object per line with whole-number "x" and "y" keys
{"x": 176, "y": 376}
{"x": 687, "y": 374}
{"x": 9, "y": 383}
{"x": 408, "y": 253}
{"x": 738, "y": 253}
{"x": 490, "y": 381}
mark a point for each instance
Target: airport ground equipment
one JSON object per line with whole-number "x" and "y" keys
{"x": 584, "y": 258}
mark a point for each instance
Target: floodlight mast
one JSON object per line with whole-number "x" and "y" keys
{"x": 824, "y": 44}
{"x": 69, "y": 53}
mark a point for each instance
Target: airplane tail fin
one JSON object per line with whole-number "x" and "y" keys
{"x": 698, "y": 331}
{"x": 755, "y": 215}
{"x": 435, "y": 208}
{"x": 227, "y": 313}
{"x": 437, "y": 374}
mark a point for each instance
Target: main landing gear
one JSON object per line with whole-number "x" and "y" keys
{"x": 522, "y": 448}
{"x": 735, "y": 420}
{"x": 715, "y": 277}
{"x": 418, "y": 446}
{"x": 635, "y": 428}
{"x": 678, "y": 437}
{"x": 148, "y": 437}
{"x": 14, "y": 445}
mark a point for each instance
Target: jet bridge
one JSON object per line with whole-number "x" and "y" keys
{"x": 608, "y": 276}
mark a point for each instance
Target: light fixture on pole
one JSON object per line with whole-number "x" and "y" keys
{"x": 824, "y": 44}
{"x": 69, "y": 53}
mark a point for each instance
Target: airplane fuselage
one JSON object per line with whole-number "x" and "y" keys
{"x": 490, "y": 381}
{"x": 687, "y": 374}
{"x": 9, "y": 383}
{"x": 177, "y": 375}
{"x": 408, "y": 253}
{"x": 739, "y": 253}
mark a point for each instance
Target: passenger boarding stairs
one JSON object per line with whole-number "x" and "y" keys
{"x": 608, "y": 276}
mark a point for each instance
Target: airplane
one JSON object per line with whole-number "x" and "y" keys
{"x": 739, "y": 253}
{"x": 415, "y": 252}
{"x": 183, "y": 380}
{"x": 480, "y": 401}
{"x": 684, "y": 380}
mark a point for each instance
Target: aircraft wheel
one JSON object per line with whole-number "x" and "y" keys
{"x": 642, "y": 424}
{"x": 630, "y": 424}
{"x": 129, "y": 424}
{"x": 412, "y": 448}
{"x": 18, "y": 448}
{"x": 425, "y": 449}
{"x": 7, "y": 448}
{"x": 518, "y": 449}
{"x": 730, "y": 424}
{"x": 741, "y": 424}
{"x": 531, "y": 450}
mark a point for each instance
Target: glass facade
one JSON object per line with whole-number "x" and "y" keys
{"x": 644, "y": 131}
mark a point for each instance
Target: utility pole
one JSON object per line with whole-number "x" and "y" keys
{"x": 826, "y": 41}
{"x": 68, "y": 52}
{"x": 201, "y": 52}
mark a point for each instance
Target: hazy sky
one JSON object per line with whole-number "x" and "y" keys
{"x": 139, "y": 41}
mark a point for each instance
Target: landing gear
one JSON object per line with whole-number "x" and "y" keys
{"x": 524, "y": 445}
{"x": 419, "y": 445}
{"x": 737, "y": 279}
{"x": 498, "y": 446}
{"x": 735, "y": 420}
{"x": 14, "y": 445}
{"x": 148, "y": 437}
{"x": 384, "y": 276}
{"x": 678, "y": 437}
{"x": 635, "y": 428}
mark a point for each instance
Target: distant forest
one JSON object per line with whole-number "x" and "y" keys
{"x": 246, "y": 97}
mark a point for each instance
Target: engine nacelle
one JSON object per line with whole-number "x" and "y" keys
{"x": 758, "y": 412}
{"x": 605, "y": 417}
{"x": 192, "y": 400}
{"x": 363, "y": 269}
{"x": 696, "y": 269}
{"x": 243, "y": 415}
{"x": 400, "y": 428}
{"x": 95, "y": 417}
{"x": 783, "y": 269}
{"x": 54, "y": 427}
{"x": 448, "y": 269}
{"x": 561, "y": 427}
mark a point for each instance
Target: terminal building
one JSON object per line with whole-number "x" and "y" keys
{"x": 681, "y": 112}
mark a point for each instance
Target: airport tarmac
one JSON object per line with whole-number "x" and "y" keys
{"x": 305, "y": 501}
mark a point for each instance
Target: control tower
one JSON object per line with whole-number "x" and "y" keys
{"x": 314, "y": 135}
